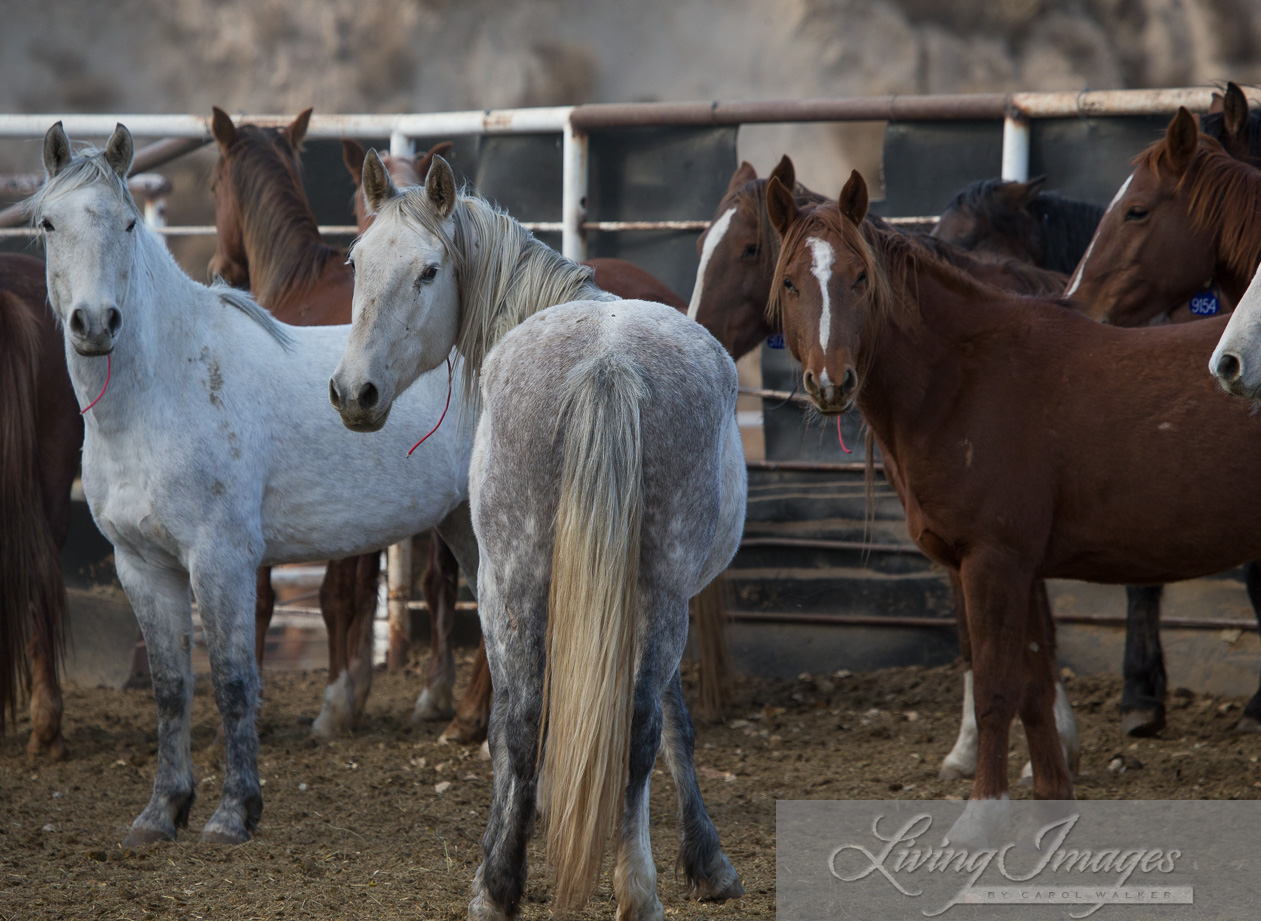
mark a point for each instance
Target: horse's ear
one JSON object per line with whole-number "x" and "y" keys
{"x": 1019, "y": 195}
{"x": 222, "y": 128}
{"x": 353, "y": 157}
{"x": 853, "y": 199}
{"x": 119, "y": 151}
{"x": 296, "y": 131}
{"x": 781, "y": 207}
{"x": 1182, "y": 138}
{"x": 786, "y": 173}
{"x": 378, "y": 187}
{"x": 744, "y": 174}
{"x": 56, "y": 150}
{"x": 425, "y": 160}
{"x": 440, "y": 187}
{"x": 1235, "y": 111}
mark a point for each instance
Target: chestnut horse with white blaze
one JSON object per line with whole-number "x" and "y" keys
{"x": 1009, "y": 471}
{"x": 608, "y": 487}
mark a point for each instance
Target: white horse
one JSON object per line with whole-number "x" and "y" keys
{"x": 1236, "y": 362}
{"x": 210, "y": 452}
{"x": 608, "y": 486}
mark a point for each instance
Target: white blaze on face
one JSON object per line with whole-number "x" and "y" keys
{"x": 1081, "y": 266}
{"x": 717, "y": 231}
{"x": 821, "y": 268}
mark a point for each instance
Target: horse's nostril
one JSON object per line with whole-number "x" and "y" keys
{"x": 810, "y": 382}
{"x": 78, "y": 322}
{"x": 368, "y": 396}
{"x": 849, "y": 381}
{"x": 113, "y": 321}
{"x": 333, "y": 396}
{"x": 1229, "y": 367}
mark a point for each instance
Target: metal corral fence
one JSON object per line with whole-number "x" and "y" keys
{"x": 185, "y": 133}
{"x": 182, "y": 134}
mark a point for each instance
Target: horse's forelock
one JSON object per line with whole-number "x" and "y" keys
{"x": 89, "y": 167}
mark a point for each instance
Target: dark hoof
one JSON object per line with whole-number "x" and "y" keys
{"x": 143, "y": 837}
{"x": 218, "y": 837}
{"x": 1248, "y": 724}
{"x": 1143, "y": 723}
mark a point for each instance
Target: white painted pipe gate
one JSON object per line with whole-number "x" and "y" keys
{"x": 1015, "y": 110}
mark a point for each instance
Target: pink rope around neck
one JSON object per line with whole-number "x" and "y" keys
{"x": 103, "y": 388}
{"x": 440, "y": 418}
{"x": 840, "y": 437}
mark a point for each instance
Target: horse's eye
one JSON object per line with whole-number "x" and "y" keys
{"x": 428, "y": 275}
{"x": 46, "y": 225}
{"x": 1136, "y": 214}
{"x": 131, "y": 226}
{"x": 751, "y": 251}
{"x": 789, "y": 286}
{"x": 859, "y": 281}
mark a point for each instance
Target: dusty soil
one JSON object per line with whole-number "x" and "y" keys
{"x": 358, "y": 829}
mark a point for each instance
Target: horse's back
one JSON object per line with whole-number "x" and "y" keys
{"x": 687, "y": 386}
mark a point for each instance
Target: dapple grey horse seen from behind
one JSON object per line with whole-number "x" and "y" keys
{"x": 607, "y": 485}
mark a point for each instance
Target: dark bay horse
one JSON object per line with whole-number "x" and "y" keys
{"x": 41, "y": 435}
{"x": 738, "y": 253}
{"x": 1010, "y": 471}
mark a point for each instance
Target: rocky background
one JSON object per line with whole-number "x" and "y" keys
{"x": 427, "y": 55}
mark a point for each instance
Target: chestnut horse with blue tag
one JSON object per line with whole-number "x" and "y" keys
{"x": 1009, "y": 470}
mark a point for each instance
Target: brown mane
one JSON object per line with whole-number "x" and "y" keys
{"x": 753, "y": 196}
{"x": 280, "y": 231}
{"x": 1224, "y": 195}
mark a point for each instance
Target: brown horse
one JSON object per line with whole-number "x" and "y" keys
{"x": 1011, "y": 472}
{"x": 41, "y": 436}
{"x": 1184, "y": 224}
{"x": 1235, "y": 125}
{"x": 739, "y": 250}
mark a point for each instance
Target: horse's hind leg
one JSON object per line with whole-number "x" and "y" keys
{"x": 441, "y": 581}
{"x": 225, "y": 599}
{"x": 366, "y": 580}
{"x": 499, "y": 882}
{"x": 635, "y": 874}
{"x": 46, "y": 705}
{"x": 961, "y": 762}
{"x": 336, "y": 600}
{"x": 472, "y": 716}
{"x": 708, "y": 873}
{"x": 264, "y": 607}
{"x": 159, "y": 596}
{"x": 1251, "y": 721}
{"x": 1143, "y": 700}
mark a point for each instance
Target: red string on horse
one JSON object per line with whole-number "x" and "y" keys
{"x": 444, "y": 410}
{"x": 840, "y": 437}
{"x": 103, "y": 387}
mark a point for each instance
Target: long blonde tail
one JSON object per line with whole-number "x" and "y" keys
{"x": 588, "y": 683}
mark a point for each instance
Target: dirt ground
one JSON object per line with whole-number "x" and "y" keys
{"x": 359, "y": 828}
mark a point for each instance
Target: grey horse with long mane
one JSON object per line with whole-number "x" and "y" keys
{"x": 607, "y": 487}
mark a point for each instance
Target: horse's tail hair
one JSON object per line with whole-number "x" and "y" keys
{"x": 593, "y": 612}
{"x": 709, "y": 614}
{"x": 31, "y": 587}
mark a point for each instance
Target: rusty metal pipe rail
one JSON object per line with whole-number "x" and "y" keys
{"x": 875, "y": 620}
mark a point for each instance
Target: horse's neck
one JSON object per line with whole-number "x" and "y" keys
{"x": 281, "y": 269}
{"x": 917, "y": 358}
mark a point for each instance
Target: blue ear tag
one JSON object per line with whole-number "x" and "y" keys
{"x": 776, "y": 340}
{"x": 1204, "y": 303}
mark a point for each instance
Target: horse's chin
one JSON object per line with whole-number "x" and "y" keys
{"x": 835, "y": 409}
{"x": 92, "y": 351}
{"x": 366, "y": 422}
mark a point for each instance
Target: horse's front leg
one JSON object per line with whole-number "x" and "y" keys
{"x": 1143, "y": 700}
{"x": 159, "y": 596}
{"x": 1013, "y": 671}
{"x": 961, "y": 762}
{"x": 224, "y": 583}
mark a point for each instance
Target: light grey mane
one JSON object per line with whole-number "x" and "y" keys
{"x": 90, "y": 167}
{"x": 504, "y": 273}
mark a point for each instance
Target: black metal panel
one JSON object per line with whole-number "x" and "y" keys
{"x": 1089, "y": 158}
